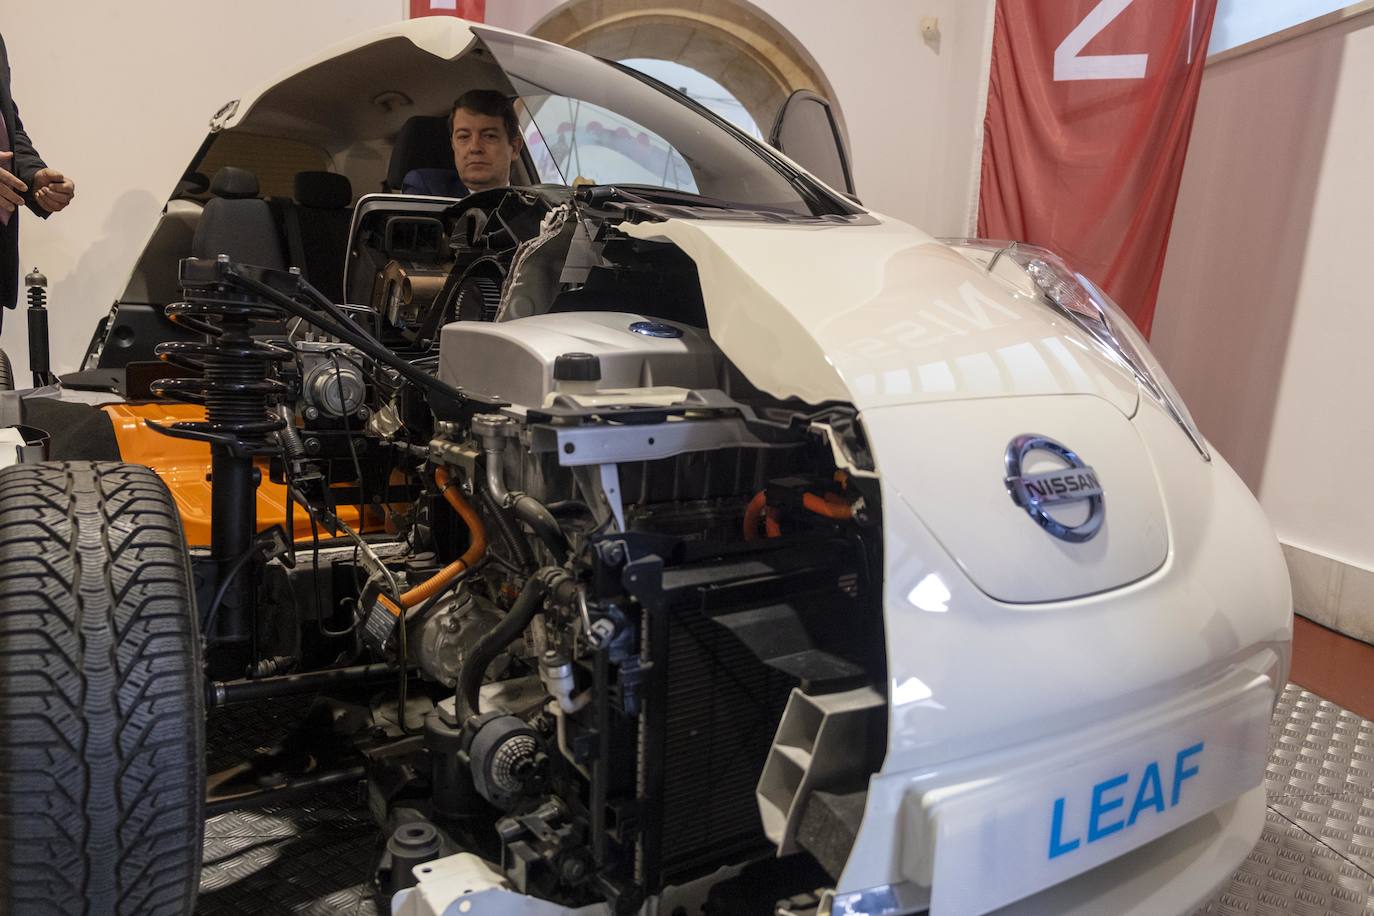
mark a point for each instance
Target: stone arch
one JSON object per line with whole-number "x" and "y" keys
{"x": 733, "y": 42}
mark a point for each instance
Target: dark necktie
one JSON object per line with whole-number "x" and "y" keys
{"x": 4, "y": 148}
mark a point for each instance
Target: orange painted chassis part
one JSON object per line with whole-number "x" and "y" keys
{"x": 184, "y": 465}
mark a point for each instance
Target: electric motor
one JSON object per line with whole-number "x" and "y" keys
{"x": 332, "y": 383}
{"x": 450, "y": 632}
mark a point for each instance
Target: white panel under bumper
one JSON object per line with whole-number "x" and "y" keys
{"x": 987, "y": 831}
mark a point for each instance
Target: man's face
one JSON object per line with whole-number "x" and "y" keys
{"x": 482, "y": 152}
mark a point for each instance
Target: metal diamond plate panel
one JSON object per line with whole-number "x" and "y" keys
{"x": 313, "y": 856}
{"x": 1314, "y": 858}
{"x": 314, "y": 871}
{"x": 1289, "y": 872}
{"x": 333, "y": 807}
{"x": 1345, "y": 823}
{"x": 1318, "y": 748}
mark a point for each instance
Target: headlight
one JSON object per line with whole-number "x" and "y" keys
{"x": 1083, "y": 302}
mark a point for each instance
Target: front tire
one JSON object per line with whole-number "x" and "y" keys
{"x": 101, "y": 713}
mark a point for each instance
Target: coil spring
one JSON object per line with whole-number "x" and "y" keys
{"x": 235, "y": 384}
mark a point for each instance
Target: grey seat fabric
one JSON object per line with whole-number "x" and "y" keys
{"x": 423, "y": 143}
{"x": 320, "y": 220}
{"x": 238, "y": 224}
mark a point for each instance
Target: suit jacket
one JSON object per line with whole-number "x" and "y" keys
{"x": 434, "y": 182}
{"x": 25, "y": 163}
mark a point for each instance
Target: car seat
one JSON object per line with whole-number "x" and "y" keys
{"x": 316, "y": 227}
{"x": 422, "y": 144}
{"x": 237, "y": 223}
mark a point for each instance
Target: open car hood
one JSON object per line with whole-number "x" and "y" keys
{"x": 364, "y": 87}
{"x": 882, "y": 314}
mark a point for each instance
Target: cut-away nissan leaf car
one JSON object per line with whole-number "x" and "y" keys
{"x": 663, "y": 533}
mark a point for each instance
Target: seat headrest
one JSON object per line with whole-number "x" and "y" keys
{"x": 323, "y": 190}
{"x": 421, "y": 144}
{"x": 234, "y": 183}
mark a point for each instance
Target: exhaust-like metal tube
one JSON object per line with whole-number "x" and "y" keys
{"x": 225, "y": 693}
{"x": 493, "y": 429}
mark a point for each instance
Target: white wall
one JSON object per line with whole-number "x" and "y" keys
{"x": 118, "y": 95}
{"x": 1266, "y": 308}
{"x": 913, "y": 109}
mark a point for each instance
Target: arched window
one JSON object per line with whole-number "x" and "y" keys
{"x": 727, "y": 55}
{"x": 699, "y": 88}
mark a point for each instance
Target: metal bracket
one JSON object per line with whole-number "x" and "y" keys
{"x": 610, "y": 488}
{"x": 600, "y": 443}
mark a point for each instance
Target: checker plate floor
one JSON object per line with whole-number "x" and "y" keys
{"x": 1315, "y": 856}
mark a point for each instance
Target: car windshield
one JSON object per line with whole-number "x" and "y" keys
{"x": 586, "y": 121}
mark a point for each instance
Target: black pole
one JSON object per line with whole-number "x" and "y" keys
{"x": 292, "y": 787}
{"x": 233, "y": 520}
{"x": 225, "y": 693}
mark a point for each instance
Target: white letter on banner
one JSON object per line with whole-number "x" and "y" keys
{"x": 1069, "y": 66}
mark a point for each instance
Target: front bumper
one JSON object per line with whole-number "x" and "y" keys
{"x": 1168, "y": 875}
{"x": 972, "y": 679}
{"x": 1097, "y": 817}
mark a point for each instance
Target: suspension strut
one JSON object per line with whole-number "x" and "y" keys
{"x": 238, "y": 391}
{"x": 37, "y": 286}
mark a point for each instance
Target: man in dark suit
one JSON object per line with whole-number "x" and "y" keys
{"x": 25, "y": 180}
{"x": 433, "y": 183}
{"x": 485, "y": 135}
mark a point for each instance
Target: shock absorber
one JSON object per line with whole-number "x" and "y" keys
{"x": 238, "y": 391}
{"x": 37, "y": 286}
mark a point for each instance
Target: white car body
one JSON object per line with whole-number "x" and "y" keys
{"x": 1026, "y": 674}
{"x": 997, "y": 706}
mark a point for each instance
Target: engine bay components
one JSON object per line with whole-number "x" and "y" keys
{"x": 516, "y": 361}
{"x": 596, "y": 560}
{"x": 332, "y": 382}
{"x": 449, "y": 632}
{"x": 410, "y": 845}
{"x": 408, "y": 289}
{"x": 505, "y": 756}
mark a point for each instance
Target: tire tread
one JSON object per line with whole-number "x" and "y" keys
{"x": 101, "y": 731}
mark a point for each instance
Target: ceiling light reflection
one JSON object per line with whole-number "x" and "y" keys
{"x": 911, "y": 690}
{"x": 930, "y": 594}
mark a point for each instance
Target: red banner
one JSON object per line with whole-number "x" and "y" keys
{"x": 1090, "y": 105}
{"x": 476, "y": 10}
